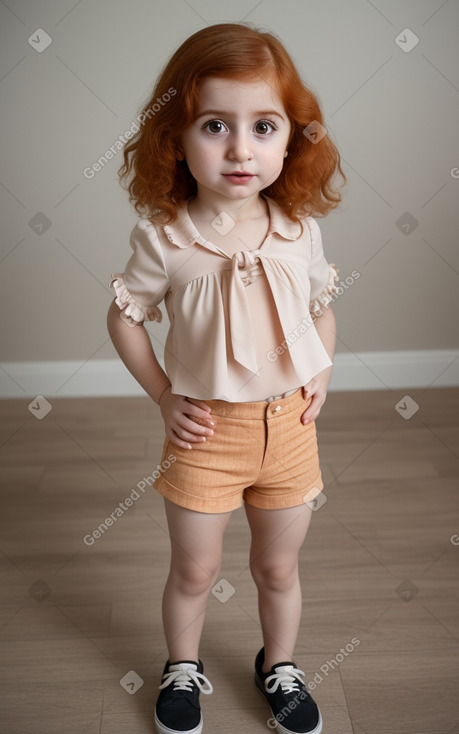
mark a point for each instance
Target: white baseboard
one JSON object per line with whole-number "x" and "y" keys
{"x": 100, "y": 378}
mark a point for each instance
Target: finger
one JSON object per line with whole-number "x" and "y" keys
{"x": 192, "y": 410}
{"x": 308, "y": 389}
{"x": 313, "y": 409}
{"x": 199, "y": 404}
{"x": 190, "y": 437}
{"x": 185, "y": 439}
{"x": 177, "y": 441}
{"x": 192, "y": 427}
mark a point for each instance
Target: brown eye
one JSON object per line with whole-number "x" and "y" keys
{"x": 263, "y": 127}
{"x": 214, "y": 126}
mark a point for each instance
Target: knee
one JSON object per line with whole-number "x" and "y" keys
{"x": 193, "y": 579}
{"x": 275, "y": 576}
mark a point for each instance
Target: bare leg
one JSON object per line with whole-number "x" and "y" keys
{"x": 277, "y": 536}
{"x": 196, "y": 547}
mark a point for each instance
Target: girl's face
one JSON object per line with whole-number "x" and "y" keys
{"x": 237, "y": 144}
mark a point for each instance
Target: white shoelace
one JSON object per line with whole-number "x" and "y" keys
{"x": 287, "y": 677}
{"x": 184, "y": 676}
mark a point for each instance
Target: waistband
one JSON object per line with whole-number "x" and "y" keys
{"x": 279, "y": 397}
{"x": 277, "y": 405}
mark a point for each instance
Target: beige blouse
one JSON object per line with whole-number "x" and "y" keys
{"x": 240, "y": 326}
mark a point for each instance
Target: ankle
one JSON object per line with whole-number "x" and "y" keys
{"x": 269, "y": 663}
{"x": 179, "y": 656}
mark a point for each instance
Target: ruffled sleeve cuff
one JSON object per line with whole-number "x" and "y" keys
{"x": 132, "y": 312}
{"x": 325, "y": 297}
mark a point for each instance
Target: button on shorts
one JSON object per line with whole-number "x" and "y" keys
{"x": 260, "y": 453}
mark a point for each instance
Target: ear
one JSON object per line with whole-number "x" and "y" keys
{"x": 179, "y": 154}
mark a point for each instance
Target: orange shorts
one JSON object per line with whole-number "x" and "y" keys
{"x": 260, "y": 453}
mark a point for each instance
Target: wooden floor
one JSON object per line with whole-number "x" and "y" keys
{"x": 379, "y": 566}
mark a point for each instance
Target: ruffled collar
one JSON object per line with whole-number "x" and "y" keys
{"x": 183, "y": 233}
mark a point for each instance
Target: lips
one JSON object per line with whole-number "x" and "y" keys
{"x": 239, "y": 177}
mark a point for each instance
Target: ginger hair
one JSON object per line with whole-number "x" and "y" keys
{"x": 157, "y": 182}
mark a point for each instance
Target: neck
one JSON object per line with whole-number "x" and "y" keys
{"x": 241, "y": 210}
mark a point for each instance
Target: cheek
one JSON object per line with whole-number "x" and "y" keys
{"x": 276, "y": 155}
{"x": 202, "y": 156}
{"x": 195, "y": 159}
{"x": 192, "y": 145}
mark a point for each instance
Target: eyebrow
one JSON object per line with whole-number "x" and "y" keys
{"x": 223, "y": 113}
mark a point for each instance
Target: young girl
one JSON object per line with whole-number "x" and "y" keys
{"x": 227, "y": 169}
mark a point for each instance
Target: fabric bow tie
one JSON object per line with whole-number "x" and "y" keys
{"x": 241, "y": 327}
{"x": 289, "y": 302}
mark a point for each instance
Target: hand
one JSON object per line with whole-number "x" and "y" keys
{"x": 317, "y": 389}
{"x": 180, "y": 428}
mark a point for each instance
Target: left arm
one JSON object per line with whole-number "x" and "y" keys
{"x": 317, "y": 387}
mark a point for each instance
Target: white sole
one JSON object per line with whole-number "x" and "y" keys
{"x": 281, "y": 729}
{"x": 161, "y": 729}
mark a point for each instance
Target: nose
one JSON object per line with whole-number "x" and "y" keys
{"x": 239, "y": 147}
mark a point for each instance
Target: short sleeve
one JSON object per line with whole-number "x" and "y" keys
{"x": 144, "y": 282}
{"x": 322, "y": 275}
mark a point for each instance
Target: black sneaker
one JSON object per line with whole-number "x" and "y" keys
{"x": 293, "y": 709}
{"x": 177, "y": 708}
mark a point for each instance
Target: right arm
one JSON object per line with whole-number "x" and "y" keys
{"x": 135, "y": 350}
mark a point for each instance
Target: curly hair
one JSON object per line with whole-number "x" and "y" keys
{"x": 157, "y": 182}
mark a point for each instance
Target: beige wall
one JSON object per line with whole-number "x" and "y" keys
{"x": 394, "y": 116}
